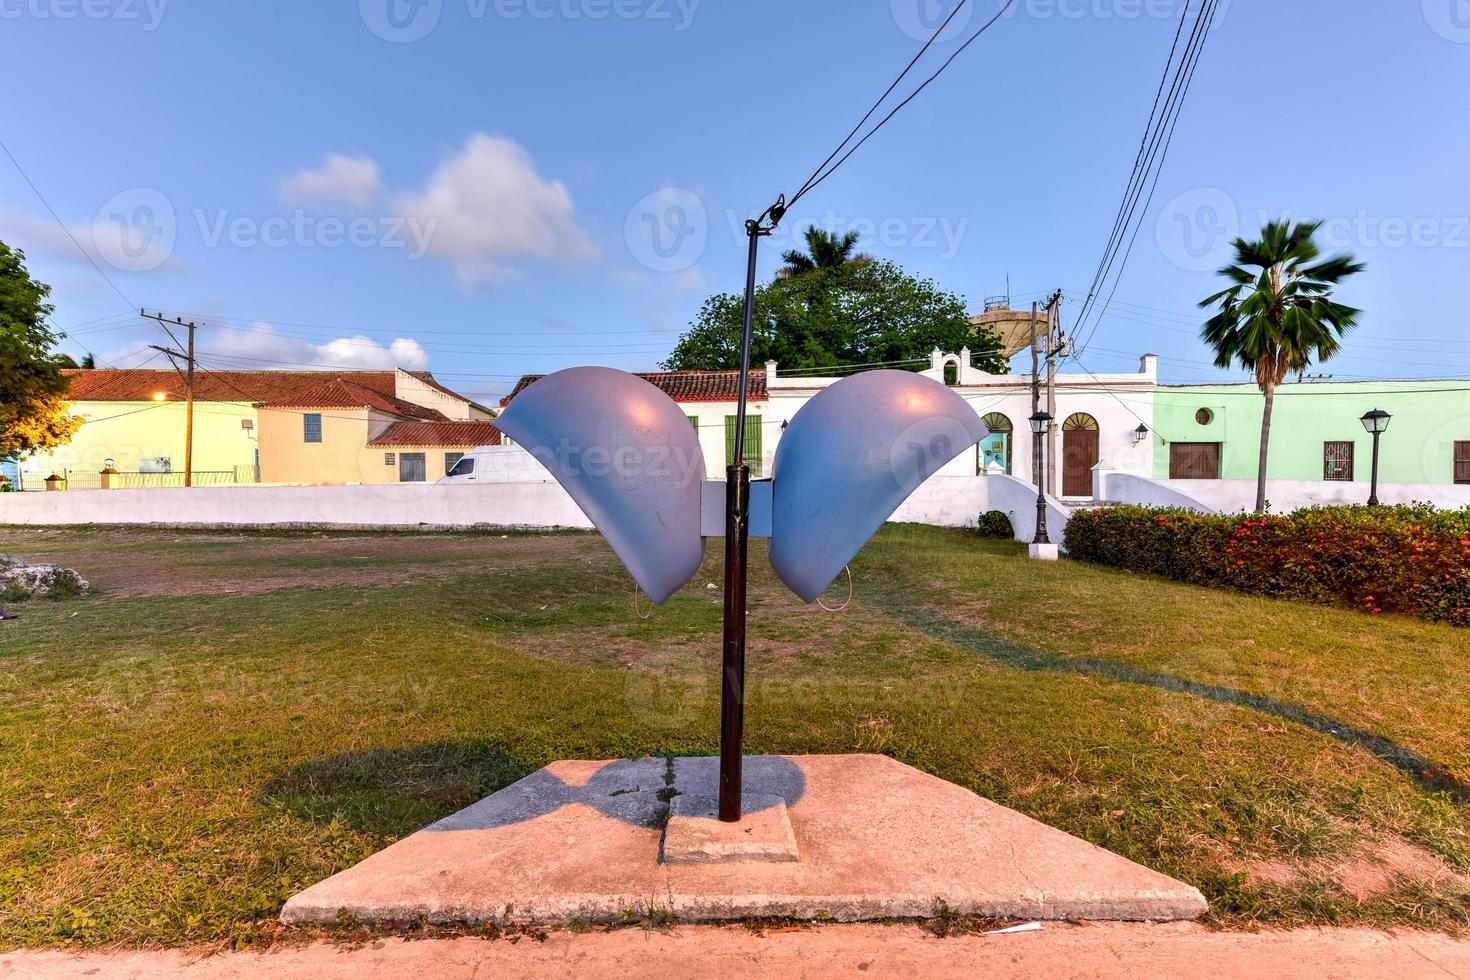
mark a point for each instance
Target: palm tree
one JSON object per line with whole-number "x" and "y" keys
{"x": 1279, "y": 314}
{"x": 825, "y": 250}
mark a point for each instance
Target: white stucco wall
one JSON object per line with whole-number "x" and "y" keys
{"x": 1130, "y": 488}
{"x": 1233, "y": 496}
{"x": 943, "y": 501}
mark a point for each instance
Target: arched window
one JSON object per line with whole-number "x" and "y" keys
{"x": 1081, "y": 422}
{"x": 994, "y": 451}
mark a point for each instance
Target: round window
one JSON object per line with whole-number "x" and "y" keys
{"x": 1204, "y": 416}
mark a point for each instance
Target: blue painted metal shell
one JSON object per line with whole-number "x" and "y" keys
{"x": 849, "y": 458}
{"x": 628, "y": 456}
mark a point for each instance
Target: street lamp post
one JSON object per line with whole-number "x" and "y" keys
{"x": 1376, "y": 422}
{"x": 1040, "y": 423}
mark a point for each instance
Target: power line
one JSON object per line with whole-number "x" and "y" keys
{"x": 62, "y": 225}
{"x": 811, "y": 181}
{"x": 816, "y": 181}
{"x": 1148, "y": 166}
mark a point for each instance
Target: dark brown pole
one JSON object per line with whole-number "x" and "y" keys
{"x": 737, "y": 541}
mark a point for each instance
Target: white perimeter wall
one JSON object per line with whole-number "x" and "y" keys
{"x": 944, "y": 501}
{"x": 1232, "y": 496}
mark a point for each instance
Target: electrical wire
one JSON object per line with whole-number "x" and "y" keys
{"x": 1148, "y": 166}
{"x": 810, "y": 181}
{"x": 62, "y": 225}
{"x": 815, "y": 182}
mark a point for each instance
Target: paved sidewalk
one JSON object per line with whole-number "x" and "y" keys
{"x": 834, "y": 951}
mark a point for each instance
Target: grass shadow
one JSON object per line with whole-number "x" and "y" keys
{"x": 394, "y": 792}
{"x": 1428, "y": 774}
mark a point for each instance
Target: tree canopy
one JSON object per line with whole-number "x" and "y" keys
{"x": 33, "y": 402}
{"x": 856, "y": 311}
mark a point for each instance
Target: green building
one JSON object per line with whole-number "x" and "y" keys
{"x": 1213, "y": 432}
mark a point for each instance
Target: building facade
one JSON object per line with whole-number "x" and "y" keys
{"x": 249, "y": 426}
{"x": 1098, "y": 418}
{"x": 1213, "y": 432}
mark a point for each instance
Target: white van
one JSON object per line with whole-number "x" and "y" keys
{"x": 497, "y": 464}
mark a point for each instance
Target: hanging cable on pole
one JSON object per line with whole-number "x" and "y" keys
{"x": 737, "y": 474}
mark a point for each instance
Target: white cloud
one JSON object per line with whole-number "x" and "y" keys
{"x": 114, "y": 245}
{"x": 488, "y": 205}
{"x": 261, "y": 348}
{"x": 341, "y": 180}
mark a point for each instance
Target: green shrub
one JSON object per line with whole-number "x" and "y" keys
{"x": 996, "y": 525}
{"x": 1413, "y": 559}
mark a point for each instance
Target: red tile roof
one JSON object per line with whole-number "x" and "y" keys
{"x": 684, "y": 386}
{"x": 344, "y": 392}
{"x": 141, "y": 384}
{"x": 453, "y": 435}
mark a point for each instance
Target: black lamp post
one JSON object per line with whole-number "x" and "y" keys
{"x": 1376, "y": 422}
{"x": 1040, "y": 422}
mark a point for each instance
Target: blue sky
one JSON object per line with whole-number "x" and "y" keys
{"x": 315, "y": 181}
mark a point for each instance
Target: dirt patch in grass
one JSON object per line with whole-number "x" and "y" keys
{"x": 134, "y": 564}
{"x": 1375, "y": 868}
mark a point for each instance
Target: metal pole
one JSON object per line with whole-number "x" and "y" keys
{"x": 1373, "y": 494}
{"x": 1041, "y": 536}
{"x": 1035, "y": 396}
{"x": 737, "y": 540}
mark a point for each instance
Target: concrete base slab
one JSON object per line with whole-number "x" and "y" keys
{"x": 877, "y": 839}
{"x": 1045, "y": 552}
{"x": 695, "y": 834}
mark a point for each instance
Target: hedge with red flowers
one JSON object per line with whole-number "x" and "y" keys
{"x": 1413, "y": 560}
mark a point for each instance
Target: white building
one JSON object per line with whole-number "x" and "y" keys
{"x": 1098, "y": 418}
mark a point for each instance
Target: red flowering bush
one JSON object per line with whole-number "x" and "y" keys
{"x": 1413, "y": 560}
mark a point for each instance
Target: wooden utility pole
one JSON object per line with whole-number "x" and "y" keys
{"x": 187, "y": 356}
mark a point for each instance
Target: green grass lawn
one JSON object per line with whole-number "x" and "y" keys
{"x": 233, "y": 717}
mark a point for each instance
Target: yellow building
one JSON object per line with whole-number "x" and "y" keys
{"x": 345, "y": 431}
{"x": 136, "y": 419}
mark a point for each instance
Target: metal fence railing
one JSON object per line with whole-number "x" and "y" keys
{"x": 92, "y": 480}
{"x": 82, "y": 479}
{"x": 145, "y": 481}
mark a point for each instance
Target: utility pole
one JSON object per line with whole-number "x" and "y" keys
{"x": 1036, "y": 474}
{"x": 187, "y": 356}
{"x": 1053, "y": 348}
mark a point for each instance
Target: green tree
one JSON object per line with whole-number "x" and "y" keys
{"x": 1279, "y": 314}
{"x": 33, "y": 402}
{"x": 868, "y": 312}
{"x": 88, "y": 361}
{"x": 825, "y": 250}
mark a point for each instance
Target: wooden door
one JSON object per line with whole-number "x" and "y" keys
{"x": 1194, "y": 461}
{"x": 1080, "y": 453}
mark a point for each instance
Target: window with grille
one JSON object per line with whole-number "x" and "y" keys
{"x": 1462, "y": 462}
{"x": 753, "y": 451}
{"x": 1337, "y": 461}
{"x": 311, "y": 425}
{"x": 451, "y": 460}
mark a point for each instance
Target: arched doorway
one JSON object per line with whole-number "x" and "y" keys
{"x": 1080, "y": 453}
{"x": 994, "y": 451}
